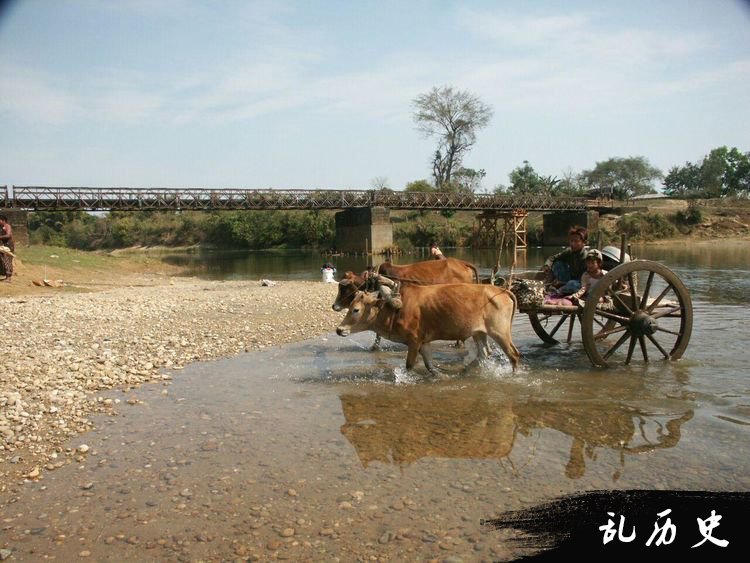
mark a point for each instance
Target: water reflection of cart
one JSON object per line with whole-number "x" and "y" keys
{"x": 656, "y": 314}
{"x": 402, "y": 425}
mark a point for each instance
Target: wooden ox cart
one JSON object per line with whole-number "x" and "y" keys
{"x": 639, "y": 308}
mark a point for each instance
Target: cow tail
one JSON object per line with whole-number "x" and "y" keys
{"x": 512, "y": 296}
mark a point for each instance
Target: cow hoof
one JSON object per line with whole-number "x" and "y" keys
{"x": 375, "y": 348}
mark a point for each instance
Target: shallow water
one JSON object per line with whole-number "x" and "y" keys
{"x": 324, "y": 449}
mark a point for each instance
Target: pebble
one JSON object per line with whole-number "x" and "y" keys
{"x": 287, "y": 532}
{"x": 386, "y": 537}
{"x": 75, "y": 344}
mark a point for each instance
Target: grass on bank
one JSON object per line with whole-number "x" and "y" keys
{"x": 66, "y": 259}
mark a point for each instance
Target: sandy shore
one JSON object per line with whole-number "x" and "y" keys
{"x": 60, "y": 350}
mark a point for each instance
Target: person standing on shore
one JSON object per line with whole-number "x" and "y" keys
{"x": 435, "y": 251}
{"x": 328, "y": 270}
{"x": 7, "y": 249}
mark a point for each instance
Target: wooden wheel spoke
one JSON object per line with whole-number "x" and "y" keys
{"x": 633, "y": 296}
{"x": 614, "y": 316}
{"x": 570, "y": 327}
{"x": 617, "y": 298}
{"x": 647, "y": 289}
{"x": 642, "y": 342}
{"x": 597, "y": 321}
{"x": 605, "y": 333}
{"x": 558, "y": 325}
{"x": 630, "y": 350}
{"x": 656, "y": 302}
{"x": 662, "y": 329}
{"x": 655, "y": 343}
{"x": 617, "y": 344}
{"x": 666, "y": 313}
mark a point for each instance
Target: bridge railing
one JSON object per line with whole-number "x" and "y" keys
{"x": 85, "y": 198}
{"x": 4, "y": 197}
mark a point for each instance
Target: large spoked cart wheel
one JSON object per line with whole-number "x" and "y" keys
{"x": 556, "y": 323}
{"x": 640, "y": 308}
{"x": 549, "y": 323}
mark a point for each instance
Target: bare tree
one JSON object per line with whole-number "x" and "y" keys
{"x": 454, "y": 116}
{"x": 380, "y": 183}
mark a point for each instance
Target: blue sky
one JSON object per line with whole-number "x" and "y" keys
{"x": 306, "y": 94}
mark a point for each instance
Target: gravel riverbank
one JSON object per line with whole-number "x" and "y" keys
{"x": 60, "y": 351}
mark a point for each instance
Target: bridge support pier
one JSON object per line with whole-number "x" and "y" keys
{"x": 489, "y": 234}
{"x": 18, "y": 222}
{"x": 556, "y": 226}
{"x": 366, "y": 229}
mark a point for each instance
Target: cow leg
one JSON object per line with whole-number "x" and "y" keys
{"x": 480, "y": 339}
{"x": 411, "y": 355}
{"x": 426, "y": 353}
{"x": 376, "y": 345}
{"x": 505, "y": 342}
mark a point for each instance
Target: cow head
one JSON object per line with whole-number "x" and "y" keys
{"x": 348, "y": 286}
{"x": 362, "y": 312}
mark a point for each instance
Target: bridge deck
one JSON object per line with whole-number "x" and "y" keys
{"x": 41, "y": 198}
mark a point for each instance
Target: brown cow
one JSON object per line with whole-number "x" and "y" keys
{"x": 448, "y": 270}
{"x": 348, "y": 287}
{"x": 438, "y": 312}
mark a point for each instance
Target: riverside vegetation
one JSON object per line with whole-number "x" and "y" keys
{"x": 257, "y": 230}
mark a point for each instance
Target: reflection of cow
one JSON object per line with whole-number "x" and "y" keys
{"x": 438, "y": 312}
{"x": 403, "y": 424}
{"x": 603, "y": 425}
{"x": 400, "y": 425}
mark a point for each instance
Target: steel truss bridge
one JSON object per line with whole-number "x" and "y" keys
{"x": 42, "y": 198}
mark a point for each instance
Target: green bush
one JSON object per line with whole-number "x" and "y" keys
{"x": 645, "y": 226}
{"x": 44, "y": 234}
{"x": 230, "y": 229}
{"x": 693, "y": 216}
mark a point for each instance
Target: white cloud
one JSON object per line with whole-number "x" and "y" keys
{"x": 33, "y": 96}
{"x": 504, "y": 27}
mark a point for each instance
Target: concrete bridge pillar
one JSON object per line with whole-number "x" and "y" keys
{"x": 17, "y": 219}
{"x": 556, "y": 226}
{"x": 366, "y": 229}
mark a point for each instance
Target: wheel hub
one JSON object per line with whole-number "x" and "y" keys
{"x": 642, "y": 324}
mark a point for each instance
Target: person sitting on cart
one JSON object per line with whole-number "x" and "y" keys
{"x": 590, "y": 277}
{"x": 564, "y": 270}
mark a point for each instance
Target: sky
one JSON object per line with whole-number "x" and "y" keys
{"x": 319, "y": 94}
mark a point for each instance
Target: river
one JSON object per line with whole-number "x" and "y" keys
{"x": 324, "y": 450}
